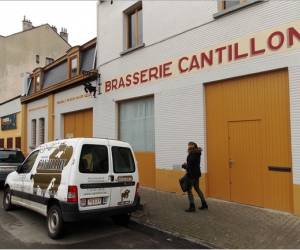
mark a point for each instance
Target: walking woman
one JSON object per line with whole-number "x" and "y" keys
{"x": 193, "y": 172}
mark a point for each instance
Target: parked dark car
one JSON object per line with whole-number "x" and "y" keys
{"x": 10, "y": 159}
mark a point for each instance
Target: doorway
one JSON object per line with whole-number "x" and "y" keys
{"x": 78, "y": 124}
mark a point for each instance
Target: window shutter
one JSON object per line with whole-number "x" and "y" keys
{"x": 33, "y": 133}
{"x": 1, "y": 143}
{"x": 18, "y": 142}
{"x": 9, "y": 142}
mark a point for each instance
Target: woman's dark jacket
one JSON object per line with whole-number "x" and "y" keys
{"x": 193, "y": 164}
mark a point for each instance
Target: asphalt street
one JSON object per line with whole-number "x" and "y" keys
{"x": 22, "y": 228}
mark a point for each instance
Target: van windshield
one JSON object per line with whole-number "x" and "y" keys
{"x": 93, "y": 159}
{"x": 122, "y": 160}
{"x": 11, "y": 156}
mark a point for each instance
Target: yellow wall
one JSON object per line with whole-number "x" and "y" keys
{"x": 13, "y": 132}
{"x": 168, "y": 180}
{"x": 146, "y": 164}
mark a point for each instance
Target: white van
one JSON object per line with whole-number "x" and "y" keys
{"x": 71, "y": 179}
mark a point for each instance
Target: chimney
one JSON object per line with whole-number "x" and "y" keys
{"x": 27, "y": 24}
{"x": 54, "y": 28}
{"x": 64, "y": 34}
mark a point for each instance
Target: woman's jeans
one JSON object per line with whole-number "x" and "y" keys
{"x": 195, "y": 185}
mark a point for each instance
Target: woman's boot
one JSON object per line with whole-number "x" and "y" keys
{"x": 191, "y": 208}
{"x": 204, "y": 206}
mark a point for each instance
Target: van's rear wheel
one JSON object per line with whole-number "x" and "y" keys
{"x": 55, "y": 222}
{"x": 7, "y": 200}
{"x": 121, "y": 219}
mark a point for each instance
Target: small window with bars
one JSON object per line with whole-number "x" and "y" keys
{"x": 41, "y": 130}
{"x": 33, "y": 133}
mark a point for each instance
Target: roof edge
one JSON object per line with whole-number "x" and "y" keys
{"x": 37, "y": 27}
{"x": 10, "y": 100}
{"x": 61, "y": 59}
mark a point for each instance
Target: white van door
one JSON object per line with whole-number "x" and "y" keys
{"x": 17, "y": 183}
{"x": 25, "y": 169}
{"x": 125, "y": 176}
{"x": 18, "y": 187}
{"x": 95, "y": 177}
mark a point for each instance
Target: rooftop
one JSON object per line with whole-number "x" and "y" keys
{"x": 57, "y": 76}
{"x": 28, "y": 27}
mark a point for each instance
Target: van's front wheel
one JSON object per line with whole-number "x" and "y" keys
{"x": 7, "y": 200}
{"x": 121, "y": 219}
{"x": 55, "y": 222}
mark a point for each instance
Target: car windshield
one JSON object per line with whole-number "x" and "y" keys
{"x": 122, "y": 160}
{"x": 11, "y": 156}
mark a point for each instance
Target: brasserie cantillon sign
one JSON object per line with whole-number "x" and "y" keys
{"x": 259, "y": 44}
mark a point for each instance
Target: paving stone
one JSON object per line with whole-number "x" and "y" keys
{"x": 224, "y": 225}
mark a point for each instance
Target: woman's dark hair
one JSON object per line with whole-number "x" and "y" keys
{"x": 191, "y": 143}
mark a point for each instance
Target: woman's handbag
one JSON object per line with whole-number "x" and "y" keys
{"x": 185, "y": 183}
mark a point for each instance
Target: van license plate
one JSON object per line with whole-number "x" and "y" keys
{"x": 95, "y": 201}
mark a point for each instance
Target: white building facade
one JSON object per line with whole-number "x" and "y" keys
{"x": 223, "y": 74}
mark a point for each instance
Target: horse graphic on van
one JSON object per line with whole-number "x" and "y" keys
{"x": 48, "y": 172}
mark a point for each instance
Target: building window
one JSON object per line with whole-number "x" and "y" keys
{"x": 1, "y": 143}
{"x": 49, "y": 60}
{"x": 74, "y": 66}
{"x": 18, "y": 142}
{"x": 227, "y": 4}
{"x": 134, "y": 26}
{"x": 37, "y": 82}
{"x": 33, "y": 133}
{"x": 41, "y": 131}
{"x": 9, "y": 142}
{"x": 37, "y": 59}
{"x": 136, "y": 123}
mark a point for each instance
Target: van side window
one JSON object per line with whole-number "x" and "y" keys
{"x": 29, "y": 162}
{"x": 93, "y": 159}
{"x": 122, "y": 160}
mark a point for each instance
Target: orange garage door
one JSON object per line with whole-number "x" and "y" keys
{"x": 78, "y": 124}
{"x": 248, "y": 139}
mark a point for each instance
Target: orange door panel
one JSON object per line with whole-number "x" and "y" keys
{"x": 259, "y": 99}
{"x": 88, "y": 122}
{"x": 69, "y": 125}
{"x": 245, "y": 162}
{"x": 217, "y": 153}
{"x": 78, "y": 124}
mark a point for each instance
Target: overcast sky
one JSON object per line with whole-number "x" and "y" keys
{"x": 79, "y": 17}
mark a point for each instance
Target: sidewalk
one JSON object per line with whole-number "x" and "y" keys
{"x": 224, "y": 225}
